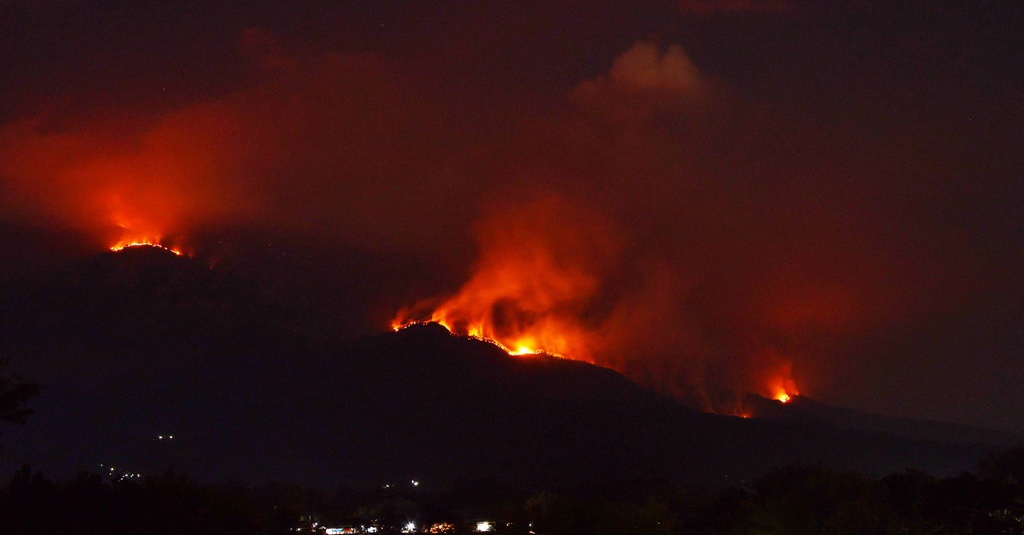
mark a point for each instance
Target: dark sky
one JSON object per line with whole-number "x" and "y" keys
{"x": 713, "y": 193}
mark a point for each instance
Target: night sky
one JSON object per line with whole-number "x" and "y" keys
{"x": 713, "y": 192}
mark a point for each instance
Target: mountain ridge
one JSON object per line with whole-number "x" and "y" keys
{"x": 178, "y": 348}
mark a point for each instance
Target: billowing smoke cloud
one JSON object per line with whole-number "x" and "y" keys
{"x": 541, "y": 269}
{"x": 322, "y": 142}
{"x": 612, "y": 270}
{"x": 607, "y": 231}
{"x": 700, "y": 243}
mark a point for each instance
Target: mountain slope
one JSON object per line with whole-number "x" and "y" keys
{"x": 805, "y": 409}
{"x": 132, "y": 347}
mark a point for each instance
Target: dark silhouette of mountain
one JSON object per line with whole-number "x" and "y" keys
{"x": 805, "y": 409}
{"x": 136, "y": 346}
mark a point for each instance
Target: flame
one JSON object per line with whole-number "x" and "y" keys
{"x": 523, "y": 348}
{"x": 131, "y": 236}
{"x": 782, "y": 388}
{"x": 519, "y": 314}
{"x": 486, "y": 311}
{"x": 125, "y": 244}
{"x": 541, "y": 285}
{"x": 538, "y": 272}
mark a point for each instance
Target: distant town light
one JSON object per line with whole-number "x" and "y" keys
{"x": 441, "y": 527}
{"x": 484, "y": 526}
{"x": 409, "y": 528}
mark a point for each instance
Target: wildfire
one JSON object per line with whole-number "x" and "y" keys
{"x": 522, "y": 348}
{"x": 783, "y": 390}
{"x": 538, "y": 272}
{"x": 538, "y": 287}
{"x": 139, "y": 232}
{"x": 125, "y": 244}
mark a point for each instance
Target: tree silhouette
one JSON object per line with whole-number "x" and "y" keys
{"x": 14, "y": 393}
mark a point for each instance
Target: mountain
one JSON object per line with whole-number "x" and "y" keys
{"x": 136, "y": 346}
{"x": 805, "y": 409}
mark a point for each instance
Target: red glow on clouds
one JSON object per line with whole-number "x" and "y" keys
{"x": 624, "y": 229}
{"x": 780, "y": 386}
{"x": 538, "y": 287}
{"x": 540, "y": 266}
{"x": 124, "y": 186}
{"x": 121, "y": 246}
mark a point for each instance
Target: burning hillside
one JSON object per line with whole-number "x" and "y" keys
{"x": 122, "y": 245}
{"x": 540, "y": 285}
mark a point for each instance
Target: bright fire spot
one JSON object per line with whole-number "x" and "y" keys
{"x": 538, "y": 287}
{"x": 140, "y": 232}
{"x": 477, "y": 334}
{"x": 784, "y": 391}
{"x": 780, "y": 385}
{"x": 539, "y": 270}
{"x": 120, "y": 246}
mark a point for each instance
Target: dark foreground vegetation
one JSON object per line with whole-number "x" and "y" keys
{"x": 792, "y": 500}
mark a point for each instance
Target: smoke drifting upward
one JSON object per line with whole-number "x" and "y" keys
{"x": 606, "y": 247}
{"x": 120, "y": 185}
{"x": 740, "y": 204}
{"x": 307, "y": 141}
{"x": 567, "y": 276}
{"x": 533, "y": 288}
{"x": 552, "y": 277}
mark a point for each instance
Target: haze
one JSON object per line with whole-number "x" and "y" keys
{"x": 717, "y": 194}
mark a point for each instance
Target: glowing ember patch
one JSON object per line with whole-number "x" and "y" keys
{"x": 780, "y": 386}
{"x": 522, "y": 347}
{"x": 138, "y": 231}
{"x": 126, "y": 245}
{"x": 538, "y": 274}
{"x": 520, "y": 351}
{"x": 784, "y": 394}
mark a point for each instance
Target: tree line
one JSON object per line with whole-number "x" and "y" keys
{"x": 791, "y": 500}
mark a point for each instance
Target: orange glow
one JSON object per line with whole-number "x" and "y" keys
{"x": 120, "y": 246}
{"x": 537, "y": 289}
{"x": 129, "y": 239}
{"x": 782, "y": 388}
{"x": 538, "y": 271}
{"x": 138, "y": 231}
{"x": 483, "y": 308}
{"x": 475, "y": 333}
{"x": 517, "y": 314}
